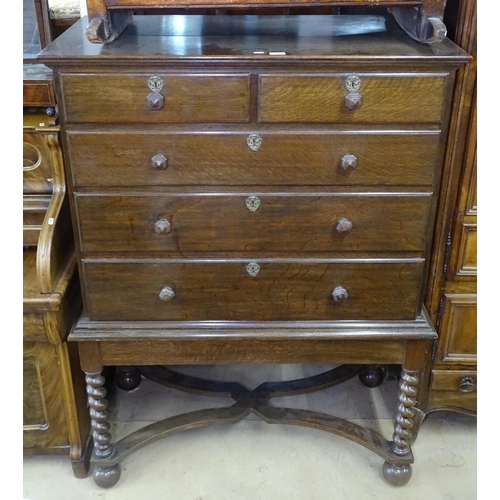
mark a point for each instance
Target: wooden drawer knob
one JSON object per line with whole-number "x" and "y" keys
{"x": 167, "y": 294}
{"x": 159, "y": 162}
{"x": 344, "y": 226}
{"x": 163, "y": 226}
{"x": 339, "y": 293}
{"x": 466, "y": 385}
{"x": 349, "y": 162}
{"x": 155, "y": 100}
{"x": 353, "y": 99}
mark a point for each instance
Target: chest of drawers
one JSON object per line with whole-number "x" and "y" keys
{"x": 254, "y": 190}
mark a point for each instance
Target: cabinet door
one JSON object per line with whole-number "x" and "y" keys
{"x": 44, "y": 419}
{"x": 458, "y": 332}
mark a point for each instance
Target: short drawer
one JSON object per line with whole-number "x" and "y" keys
{"x": 271, "y": 222}
{"x": 119, "y": 157}
{"x": 382, "y": 98}
{"x": 198, "y": 290}
{"x": 450, "y": 380}
{"x": 127, "y": 98}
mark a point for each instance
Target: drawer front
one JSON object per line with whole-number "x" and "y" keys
{"x": 253, "y": 222}
{"x": 451, "y": 380}
{"x": 186, "y": 98}
{"x": 385, "y": 98}
{"x": 253, "y": 291}
{"x": 121, "y": 157}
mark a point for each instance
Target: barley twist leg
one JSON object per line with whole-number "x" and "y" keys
{"x": 399, "y": 475}
{"x": 105, "y": 477}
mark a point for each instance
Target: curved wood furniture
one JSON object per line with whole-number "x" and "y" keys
{"x": 252, "y": 239}
{"x": 55, "y": 419}
{"x": 421, "y": 19}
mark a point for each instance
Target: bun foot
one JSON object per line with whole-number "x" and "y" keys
{"x": 397, "y": 475}
{"x": 106, "y": 477}
{"x": 128, "y": 379}
{"x": 372, "y": 376}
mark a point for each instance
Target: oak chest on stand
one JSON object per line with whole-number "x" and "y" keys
{"x": 254, "y": 190}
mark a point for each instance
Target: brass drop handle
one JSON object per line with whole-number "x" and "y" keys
{"x": 167, "y": 294}
{"x": 163, "y": 226}
{"x": 159, "y": 162}
{"x": 353, "y": 100}
{"x": 155, "y": 100}
{"x": 339, "y": 293}
{"x": 344, "y": 226}
{"x": 349, "y": 162}
{"x": 466, "y": 385}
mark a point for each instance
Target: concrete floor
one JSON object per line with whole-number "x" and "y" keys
{"x": 256, "y": 461}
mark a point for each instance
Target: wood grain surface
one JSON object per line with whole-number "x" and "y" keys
{"x": 298, "y": 222}
{"x": 215, "y": 290}
{"x": 320, "y": 99}
{"x": 118, "y": 156}
{"x": 189, "y": 98}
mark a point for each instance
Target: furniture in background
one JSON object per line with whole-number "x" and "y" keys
{"x": 452, "y": 294}
{"x": 263, "y": 196}
{"x": 55, "y": 417}
{"x": 421, "y": 19}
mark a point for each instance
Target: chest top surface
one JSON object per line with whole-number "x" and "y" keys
{"x": 262, "y": 40}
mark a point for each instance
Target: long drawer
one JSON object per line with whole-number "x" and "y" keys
{"x": 321, "y": 98}
{"x": 271, "y": 222}
{"x": 197, "y": 290}
{"x": 121, "y": 157}
{"x": 126, "y": 98}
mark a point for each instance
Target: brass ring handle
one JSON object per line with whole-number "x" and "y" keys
{"x": 166, "y": 294}
{"x": 163, "y": 226}
{"x": 344, "y": 226}
{"x": 339, "y": 293}
{"x": 349, "y": 162}
{"x": 159, "y": 162}
{"x": 466, "y": 385}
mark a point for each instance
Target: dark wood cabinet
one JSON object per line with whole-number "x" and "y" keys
{"x": 236, "y": 204}
{"x": 452, "y": 296}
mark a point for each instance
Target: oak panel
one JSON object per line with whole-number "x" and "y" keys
{"x": 192, "y": 98}
{"x": 224, "y": 290}
{"x": 44, "y": 418}
{"x": 207, "y": 351}
{"x": 467, "y": 256}
{"x": 121, "y": 157}
{"x": 299, "y": 222}
{"x": 320, "y": 99}
{"x": 458, "y": 337}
